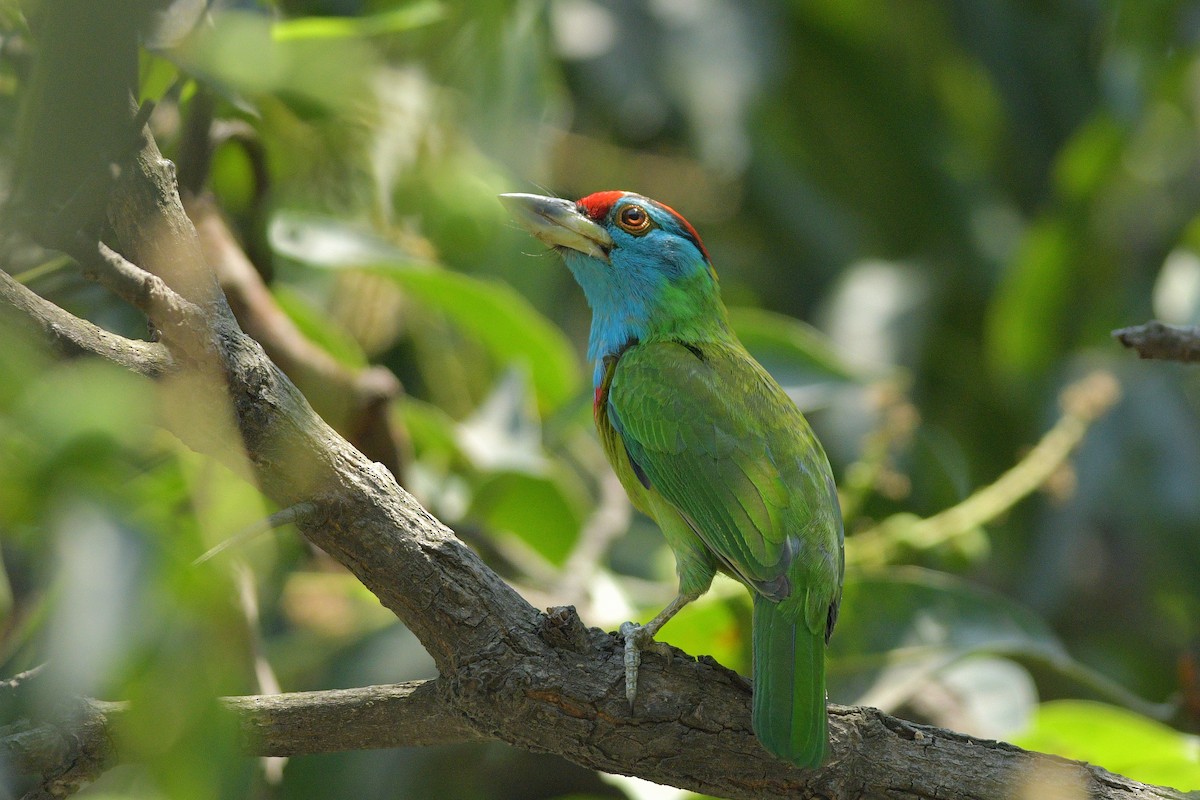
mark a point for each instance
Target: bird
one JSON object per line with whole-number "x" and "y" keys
{"x": 707, "y": 444}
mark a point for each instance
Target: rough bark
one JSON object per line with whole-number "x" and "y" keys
{"x": 1158, "y": 340}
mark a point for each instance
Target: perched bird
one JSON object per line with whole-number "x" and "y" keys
{"x": 707, "y": 444}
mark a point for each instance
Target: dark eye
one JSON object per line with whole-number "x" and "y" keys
{"x": 634, "y": 219}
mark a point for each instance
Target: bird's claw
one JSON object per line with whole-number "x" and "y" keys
{"x": 637, "y": 639}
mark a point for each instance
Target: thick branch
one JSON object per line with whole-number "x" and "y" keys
{"x": 166, "y": 308}
{"x": 1159, "y": 340}
{"x": 356, "y": 402}
{"x": 412, "y": 714}
{"x": 884, "y": 756}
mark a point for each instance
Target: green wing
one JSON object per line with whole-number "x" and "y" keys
{"x": 709, "y": 430}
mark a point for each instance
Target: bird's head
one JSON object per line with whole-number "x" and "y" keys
{"x": 641, "y": 265}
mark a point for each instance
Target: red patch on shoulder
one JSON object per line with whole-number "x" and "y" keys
{"x": 597, "y": 400}
{"x": 598, "y": 205}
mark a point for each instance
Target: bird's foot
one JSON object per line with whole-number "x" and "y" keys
{"x": 637, "y": 639}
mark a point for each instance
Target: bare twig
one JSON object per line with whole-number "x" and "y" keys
{"x": 1082, "y": 403}
{"x": 72, "y": 336}
{"x": 1158, "y": 340}
{"x": 272, "y": 725}
{"x": 285, "y": 516}
{"x": 142, "y": 290}
{"x": 20, "y": 680}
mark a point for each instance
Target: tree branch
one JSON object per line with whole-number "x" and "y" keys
{"x": 539, "y": 681}
{"x": 1158, "y": 340}
{"x": 356, "y": 402}
{"x": 71, "y": 336}
{"x": 399, "y": 715}
{"x": 887, "y": 756}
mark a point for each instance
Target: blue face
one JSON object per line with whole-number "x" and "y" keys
{"x": 653, "y": 249}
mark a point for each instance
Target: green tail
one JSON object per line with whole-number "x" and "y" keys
{"x": 789, "y": 686}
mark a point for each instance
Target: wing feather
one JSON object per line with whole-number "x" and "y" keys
{"x": 726, "y": 447}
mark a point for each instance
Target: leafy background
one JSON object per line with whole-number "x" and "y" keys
{"x": 963, "y": 198}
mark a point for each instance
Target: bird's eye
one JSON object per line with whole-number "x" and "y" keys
{"x": 634, "y": 219}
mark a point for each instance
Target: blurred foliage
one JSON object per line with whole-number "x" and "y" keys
{"x": 963, "y": 197}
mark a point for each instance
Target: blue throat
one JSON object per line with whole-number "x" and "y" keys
{"x": 620, "y": 313}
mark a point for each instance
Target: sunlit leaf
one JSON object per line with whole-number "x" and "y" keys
{"x": 157, "y": 76}
{"x": 1116, "y": 739}
{"x": 717, "y": 625}
{"x": 501, "y": 320}
{"x": 545, "y": 512}
{"x": 504, "y": 322}
{"x": 397, "y": 20}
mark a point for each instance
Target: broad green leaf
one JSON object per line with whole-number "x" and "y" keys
{"x": 224, "y": 504}
{"x": 796, "y": 354}
{"x": 494, "y": 314}
{"x": 544, "y": 512}
{"x": 157, "y": 75}
{"x": 898, "y": 628}
{"x": 1116, "y": 739}
{"x": 87, "y": 401}
{"x": 717, "y": 625}
{"x": 503, "y": 322}
{"x": 318, "y": 328}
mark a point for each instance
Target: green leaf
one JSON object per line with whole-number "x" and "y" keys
{"x": 898, "y": 628}
{"x": 797, "y": 355}
{"x": 717, "y": 625}
{"x": 544, "y": 512}
{"x": 157, "y": 76}
{"x": 492, "y": 313}
{"x": 503, "y": 322}
{"x": 240, "y": 56}
{"x": 116, "y": 406}
{"x": 1027, "y": 317}
{"x": 398, "y": 20}
{"x": 318, "y": 328}
{"x": 1116, "y": 739}
{"x": 432, "y": 431}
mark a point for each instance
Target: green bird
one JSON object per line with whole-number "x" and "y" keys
{"x": 707, "y": 444}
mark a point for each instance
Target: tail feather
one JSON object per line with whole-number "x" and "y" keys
{"x": 789, "y": 686}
